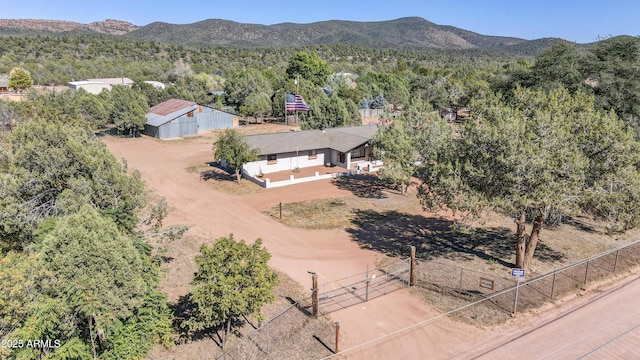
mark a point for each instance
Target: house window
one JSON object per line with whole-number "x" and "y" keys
{"x": 341, "y": 157}
{"x": 358, "y": 153}
{"x": 272, "y": 159}
{"x": 313, "y": 154}
{"x": 190, "y": 113}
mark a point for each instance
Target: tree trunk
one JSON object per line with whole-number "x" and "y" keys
{"x": 93, "y": 344}
{"x": 520, "y": 240}
{"x": 226, "y": 331}
{"x": 533, "y": 240}
{"x": 238, "y": 175}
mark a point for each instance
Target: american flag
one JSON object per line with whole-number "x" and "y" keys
{"x": 295, "y": 103}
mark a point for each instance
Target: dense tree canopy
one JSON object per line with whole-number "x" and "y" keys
{"x": 73, "y": 266}
{"x": 57, "y": 168}
{"x": 539, "y": 154}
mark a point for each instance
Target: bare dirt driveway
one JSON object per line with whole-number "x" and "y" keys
{"x": 330, "y": 253}
{"x": 167, "y": 167}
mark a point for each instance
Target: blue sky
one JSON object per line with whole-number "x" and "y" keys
{"x": 575, "y": 20}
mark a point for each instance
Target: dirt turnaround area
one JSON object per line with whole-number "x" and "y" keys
{"x": 212, "y": 206}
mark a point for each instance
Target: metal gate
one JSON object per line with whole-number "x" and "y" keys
{"x": 360, "y": 288}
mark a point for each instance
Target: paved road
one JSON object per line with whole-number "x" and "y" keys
{"x": 603, "y": 325}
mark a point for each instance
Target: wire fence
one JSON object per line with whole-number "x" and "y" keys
{"x": 275, "y": 337}
{"x": 486, "y": 298}
{"x": 450, "y": 287}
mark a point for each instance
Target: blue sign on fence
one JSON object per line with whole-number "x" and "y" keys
{"x": 517, "y": 273}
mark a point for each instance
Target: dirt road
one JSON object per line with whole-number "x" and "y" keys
{"x": 330, "y": 253}
{"x": 604, "y": 324}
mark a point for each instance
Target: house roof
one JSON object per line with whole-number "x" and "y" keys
{"x": 3, "y": 84}
{"x": 86, "y": 82}
{"x": 114, "y": 81}
{"x": 169, "y": 110}
{"x": 341, "y": 139}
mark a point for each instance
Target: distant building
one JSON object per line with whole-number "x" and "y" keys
{"x": 177, "y": 118}
{"x": 156, "y": 84}
{"x": 95, "y": 86}
{"x": 4, "y": 87}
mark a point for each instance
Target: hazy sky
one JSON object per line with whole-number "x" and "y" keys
{"x": 575, "y": 20}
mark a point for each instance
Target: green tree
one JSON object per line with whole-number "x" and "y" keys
{"x": 57, "y": 168}
{"x": 395, "y": 145}
{"x": 23, "y": 284}
{"x": 308, "y": 66}
{"x": 613, "y": 69}
{"x": 233, "y": 280}
{"x": 127, "y": 109}
{"x": 232, "y": 148}
{"x": 91, "y": 109}
{"x": 536, "y": 155}
{"x": 559, "y": 65}
{"x": 101, "y": 291}
{"x": 20, "y": 79}
{"x": 248, "y": 90}
{"x": 257, "y": 104}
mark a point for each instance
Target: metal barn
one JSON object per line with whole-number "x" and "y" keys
{"x": 210, "y": 119}
{"x": 178, "y": 118}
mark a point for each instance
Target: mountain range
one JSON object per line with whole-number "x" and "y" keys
{"x": 410, "y": 32}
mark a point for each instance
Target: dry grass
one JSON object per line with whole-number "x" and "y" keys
{"x": 336, "y": 213}
{"x": 560, "y": 245}
{"x": 389, "y": 222}
{"x": 293, "y": 335}
{"x": 223, "y": 181}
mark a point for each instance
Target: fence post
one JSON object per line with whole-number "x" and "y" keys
{"x": 515, "y": 300}
{"x": 586, "y": 272}
{"x": 412, "y": 275}
{"x": 460, "y": 286}
{"x": 314, "y": 294}
{"x": 615, "y": 264}
{"x": 366, "y": 297}
{"x": 553, "y": 283}
{"x": 337, "y": 336}
{"x": 266, "y": 331}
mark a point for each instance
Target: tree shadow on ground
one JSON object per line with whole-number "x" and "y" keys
{"x": 362, "y": 185}
{"x": 217, "y": 173}
{"x": 392, "y": 233}
{"x": 183, "y": 310}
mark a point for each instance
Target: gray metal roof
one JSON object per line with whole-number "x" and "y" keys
{"x": 341, "y": 139}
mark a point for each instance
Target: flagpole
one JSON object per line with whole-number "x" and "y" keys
{"x": 297, "y": 93}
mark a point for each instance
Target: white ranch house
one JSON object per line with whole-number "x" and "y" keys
{"x": 346, "y": 148}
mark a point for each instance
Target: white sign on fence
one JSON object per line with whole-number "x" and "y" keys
{"x": 517, "y": 273}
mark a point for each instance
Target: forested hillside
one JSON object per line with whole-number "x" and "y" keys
{"x": 411, "y": 32}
